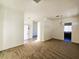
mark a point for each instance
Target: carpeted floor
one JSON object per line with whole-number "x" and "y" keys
{"x": 52, "y": 49}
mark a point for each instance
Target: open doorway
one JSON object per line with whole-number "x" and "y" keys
{"x": 31, "y": 31}
{"x": 26, "y": 32}
{"x": 35, "y": 30}
{"x": 67, "y": 32}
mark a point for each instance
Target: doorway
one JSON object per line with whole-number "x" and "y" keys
{"x": 68, "y": 32}
{"x": 26, "y": 32}
{"x": 35, "y": 30}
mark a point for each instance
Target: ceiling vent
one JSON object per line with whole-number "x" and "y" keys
{"x": 37, "y": 1}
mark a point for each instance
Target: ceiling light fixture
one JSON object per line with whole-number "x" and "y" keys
{"x": 37, "y": 1}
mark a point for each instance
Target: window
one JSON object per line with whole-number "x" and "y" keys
{"x": 68, "y": 27}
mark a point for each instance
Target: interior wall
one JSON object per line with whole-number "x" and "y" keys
{"x": 48, "y": 29}
{"x": 58, "y": 28}
{"x": 1, "y": 28}
{"x": 11, "y": 27}
{"x": 45, "y": 29}
{"x": 40, "y": 31}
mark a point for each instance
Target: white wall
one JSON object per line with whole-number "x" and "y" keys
{"x": 45, "y": 29}
{"x": 1, "y": 28}
{"x": 41, "y": 30}
{"x": 51, "y": 28}
{"x": 48, "y": 29}
{"x": 11, "y": 27}
{"x": 58, "y": 28}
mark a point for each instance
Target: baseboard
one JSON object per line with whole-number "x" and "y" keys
{"x": 63, "y": 40}
{"x": 12, "y": 47}
{"x": 75, "y": 43}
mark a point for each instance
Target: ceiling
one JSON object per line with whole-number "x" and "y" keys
{"x": 14, "y": 4}
{"x": 45, "y": 8}
{"x": 52, "y": 8}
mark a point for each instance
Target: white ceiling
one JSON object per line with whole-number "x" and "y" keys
{"x": 51, "y": 8}
{"x": 14, "y": 4}
{"x": 45, "y": 8}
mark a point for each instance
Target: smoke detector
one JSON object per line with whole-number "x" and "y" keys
{"x": 37, "y": 1}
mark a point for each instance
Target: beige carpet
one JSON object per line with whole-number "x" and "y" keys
{"x": 52, "y": 49}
